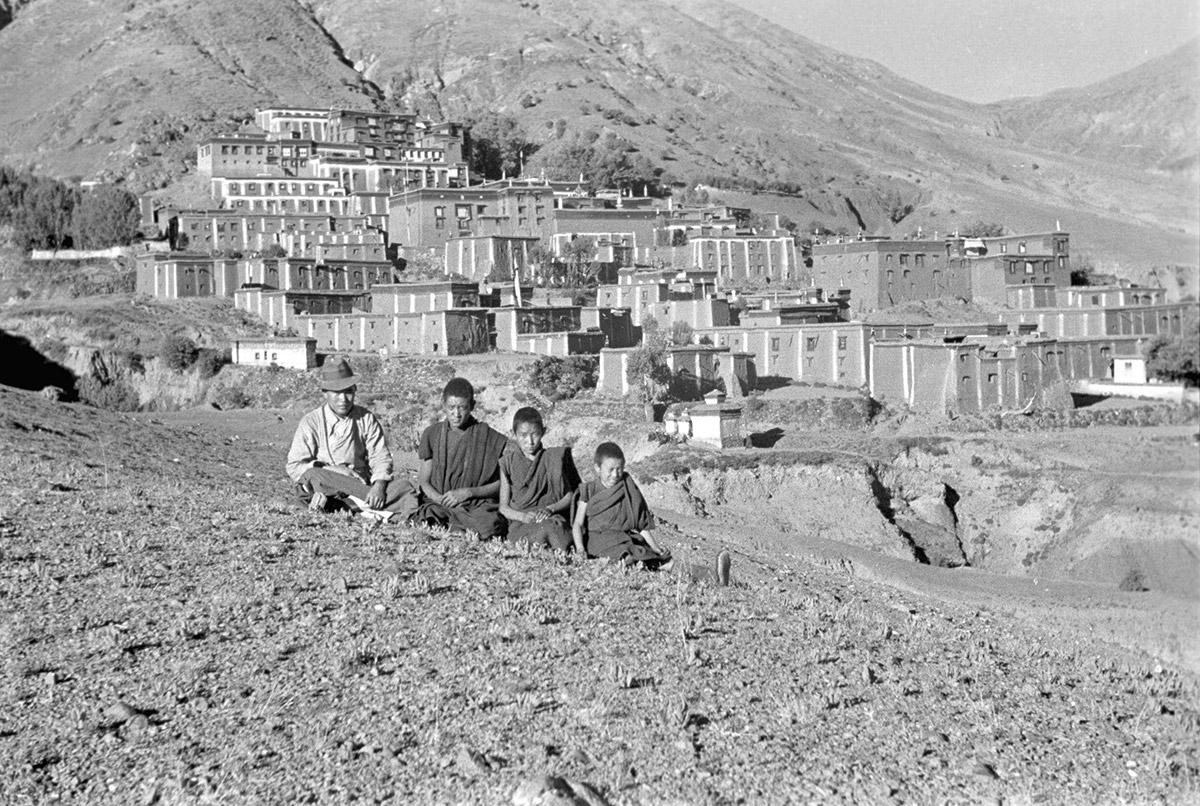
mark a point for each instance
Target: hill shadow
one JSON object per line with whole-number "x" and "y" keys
{"x": 26, "y": 368}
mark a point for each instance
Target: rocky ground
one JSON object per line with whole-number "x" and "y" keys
{"x": 175, "y": 631}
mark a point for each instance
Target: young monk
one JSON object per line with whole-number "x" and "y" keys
{"x": 537, "y": 485}
{"x": 614, "y": 514}
{"x": 339, "y": 454}
{"x": 460, "y": 468}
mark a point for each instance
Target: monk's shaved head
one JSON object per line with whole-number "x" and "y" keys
{"x": 528, "y": 415}
{"x": 608, "y": 450}
{"x": 459, "y": 387}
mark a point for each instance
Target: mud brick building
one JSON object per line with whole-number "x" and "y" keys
{"x": 297, "y": 273}
{"x": 489, "y": 256}
{"x": 278, "y": 195}
{"x": 174, "y": 276}
{"x": 881, "y": 273}
{"x": 807, "y": 313}
{"x": 207, "y": 231}
{"x": 1140, "y": 320}
{"x": 238, "y": 155}
{"x": 427, "y": 217}
{"x": 739, "y": 259}
{"x": 514, "y": 329}
{"x": 973, "y": 374}
{"x": 666, "y": 300}
{"x": 438, "y": 295}
{"x": 698, "y": 369}
{"x": 830, "y": 353}
{"x": 279, "y": 351}
{"x": 1012, "y": 260}
{"x": 280, "y": 308}
{"x": 435, "y": 333}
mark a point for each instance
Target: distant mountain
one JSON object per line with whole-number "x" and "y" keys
{"x": 701, "y": 88}
{"x": 1147, "y": 117}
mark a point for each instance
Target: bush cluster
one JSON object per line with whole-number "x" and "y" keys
{"x": 46, "y": 213}
{"x": 112, "y": 394}
{"x": 178, "y": 352}
{"x": 563, "y": 378}
{"x": 210, "y": 361}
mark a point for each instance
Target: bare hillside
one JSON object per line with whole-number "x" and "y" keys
{"x": 126, "y": 90}
{"x": 1148, "y": 117}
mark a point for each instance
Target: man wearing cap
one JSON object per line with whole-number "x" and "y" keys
{"x": 340, "y": 451}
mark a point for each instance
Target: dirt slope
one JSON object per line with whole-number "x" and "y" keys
{"x": 174, "y": 632}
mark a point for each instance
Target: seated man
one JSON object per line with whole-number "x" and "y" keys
{"x": 340, "y": 452}
{"x": 460, "y": 468}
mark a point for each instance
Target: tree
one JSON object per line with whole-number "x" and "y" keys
{"x": 41, "y": 218}
{"x": 105, "y": 216}
{"x": 681, "y": 334}
{"x": 648, "y": 371}
{"x": 895, "y": 206}
{"x": 497, "y": 146}
{"x": 604, "y": 161}
{"x": 1176, "y": 357}
{"x": 1083, "y": 270}
{"x": 579, "y": 265}
{"x": 982, "y": 229}
{"x": 178, "y": 352}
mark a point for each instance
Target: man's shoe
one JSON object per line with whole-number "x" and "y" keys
{"x": 724, "y": 565}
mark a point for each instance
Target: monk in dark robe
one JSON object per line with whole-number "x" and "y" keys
{"x": 460, "y": 468}
{"x": 611, "y": 517}
{"x": 537, "y": 485}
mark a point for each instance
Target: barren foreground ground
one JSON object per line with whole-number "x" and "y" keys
{"x": 174, "y": 631}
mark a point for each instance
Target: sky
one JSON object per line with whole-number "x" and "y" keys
{"x": 988, "y": 50}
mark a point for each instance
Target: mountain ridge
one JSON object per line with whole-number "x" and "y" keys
{"x": 703, "y": 90}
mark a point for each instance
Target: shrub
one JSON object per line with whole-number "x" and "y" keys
{"x": 178, "y": 352}
{"x": 681, "y": 334}
{"x": 210, "y": 361}
{"x": 563, "y": 378}
{"x": 1177, "y": 358}
{"x": 114, "y": 395}
{"x": 105, "y": 216}
{"x": 231, "y": 397}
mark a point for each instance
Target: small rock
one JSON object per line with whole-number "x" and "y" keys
{"x": 472, "y": 761}
{"x": 138, "y": 723}
{"x": 340, "y": 586}
{"x": 985, "y": 771}
{"x": 121, "y": 712}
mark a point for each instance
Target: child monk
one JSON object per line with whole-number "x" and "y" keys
{"x": 460, "y": 468}
{"x": 537, "y": 485}
{"x": 614, "y": 515}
